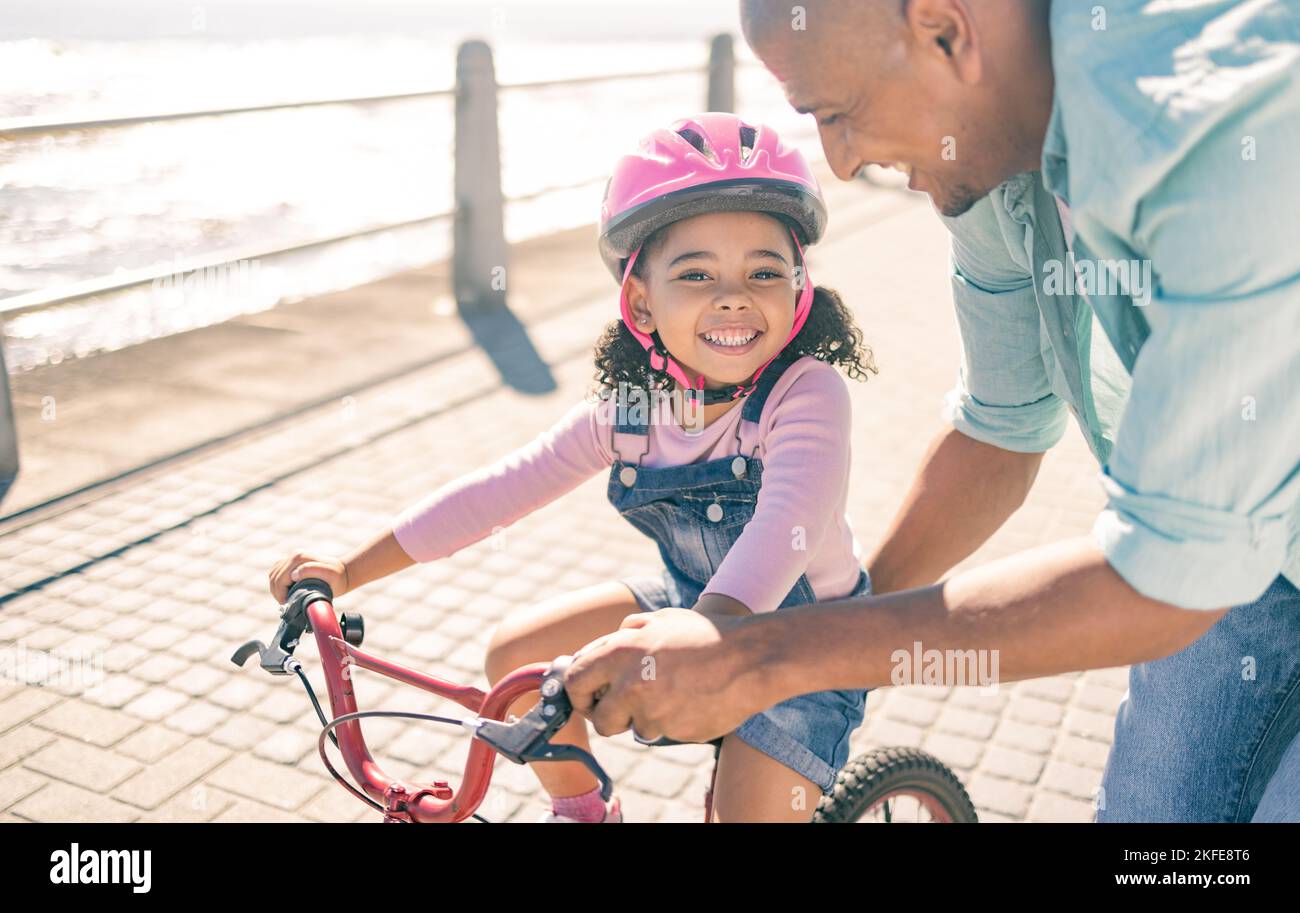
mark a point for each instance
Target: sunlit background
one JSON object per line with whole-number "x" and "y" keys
{"x": 85, "y": 204}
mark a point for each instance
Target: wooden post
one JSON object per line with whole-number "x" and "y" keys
{"x": 479, "y": 244}
{"x": 722, "y": 74}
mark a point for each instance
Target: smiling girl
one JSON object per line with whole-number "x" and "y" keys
{"x": 738, "y": 471}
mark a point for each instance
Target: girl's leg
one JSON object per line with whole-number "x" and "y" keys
{"x": 542, "y": 632}
{"x": 754, "y": 787}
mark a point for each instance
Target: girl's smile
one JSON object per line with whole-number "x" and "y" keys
{"x": 732, "y": 339}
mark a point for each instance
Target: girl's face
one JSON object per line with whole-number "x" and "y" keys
{"x": 720, "y": 291}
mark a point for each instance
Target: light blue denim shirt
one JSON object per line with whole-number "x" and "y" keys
{"x": 1174, "y": 140}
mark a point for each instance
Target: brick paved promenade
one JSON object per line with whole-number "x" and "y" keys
{"x": 164, "y": 572}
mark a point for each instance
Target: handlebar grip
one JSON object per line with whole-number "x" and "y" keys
{"x": 311, "y": 583}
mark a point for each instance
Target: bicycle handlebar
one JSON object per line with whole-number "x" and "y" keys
{"x": 309, "y": 609}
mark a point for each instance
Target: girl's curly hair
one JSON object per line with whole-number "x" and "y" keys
{"x": 829, "y": 334}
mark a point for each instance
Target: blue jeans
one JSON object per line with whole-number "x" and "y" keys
{"x": 1212, "y": 733}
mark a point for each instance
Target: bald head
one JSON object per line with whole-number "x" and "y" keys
{"x": 836, "y": 31}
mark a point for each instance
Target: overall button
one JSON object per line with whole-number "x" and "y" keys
{"x": 627, "y": 475}
{"x": 739, "y": 466}
{"x": 714, "y": 512}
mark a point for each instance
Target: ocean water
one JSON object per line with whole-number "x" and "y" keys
{"x": 84, "y": 204}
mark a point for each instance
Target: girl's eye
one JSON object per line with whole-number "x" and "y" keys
{"x": 766, "y": 272}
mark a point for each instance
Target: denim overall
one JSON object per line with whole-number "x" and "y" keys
{"x": 695, "y": 513}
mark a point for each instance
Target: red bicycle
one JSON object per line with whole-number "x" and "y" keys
{"x": 874, "y": 786}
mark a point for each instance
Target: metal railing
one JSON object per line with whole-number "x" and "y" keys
{"x": 479, "y": 252}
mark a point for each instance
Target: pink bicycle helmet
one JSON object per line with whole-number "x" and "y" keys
{"x": 712, "y": 162}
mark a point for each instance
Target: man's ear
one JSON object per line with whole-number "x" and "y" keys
{"x": 638, "y": 304}
{"x": 945, "y": 30}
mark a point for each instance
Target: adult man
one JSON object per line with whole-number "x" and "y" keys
{"x": 1165, "y": 134}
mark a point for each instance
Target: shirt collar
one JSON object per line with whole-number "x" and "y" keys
{"x": 1056, "y": 171}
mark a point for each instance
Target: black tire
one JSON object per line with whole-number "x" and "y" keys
{"x": 869, "y": 777}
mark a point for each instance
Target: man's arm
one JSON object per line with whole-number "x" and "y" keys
{"x": 963, "y": 493}
{"x": 1054, "y": 609}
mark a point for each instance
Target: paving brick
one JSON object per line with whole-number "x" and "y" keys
{"x": 1011, "y": 764}
{"x": 1098, "y": 726}
{"x": 1024, "y": 736}
{"x": 1035, "y": 710}
{"x": 891, "y": 732}
{"x": 20, "y": 742}
{"x": 150, "y": 743}
{"x": 197, "y": 803}
{"x": 24, "y": 705}
{"x": 197, "y": 717}
{"x": 242, "y": 731}
{"x": 286, "y": 705}
{"x": 87, "y": 722}
{"x": 159, "y": 668}
{"x": 156, "y": 703}
{"x": 239, "y": 694}
{"x": 908, "y": 709}
{"x": 161, "y": 636}
{"x": 1077, "y": 782}
{"x": 658, "y": 778}
{"x": 89, "y": 619}
{"x": 1099, "y": 698}
{"x": 64, "y": 802}
{"x": 1047, "y": 806}
{"x": 968, "y": 723}
{"x": 245, "y": 811}
{"x": 333, "y": 803}
{"x": 163, "y": 779}
{"x": 265, "y": 782}
{"x": 81, "y": 764}
{"x": 121, "y": 657}
{"x": 115, "y": 691}
{"x": 1002, "y": 796}
{"x": 199, "y": 680}
{"x": 1058, "y": 689}
{"x": 17, "y": 783}
{"x": 286, "y": 746}
{"x": 1082, "y": 752}
{"x": 953, "y": 749}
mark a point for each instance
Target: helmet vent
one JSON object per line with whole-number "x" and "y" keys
{"x": 746, "y": 142}
{"x": 697, "y": 141}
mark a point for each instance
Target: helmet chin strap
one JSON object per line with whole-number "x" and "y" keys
{"x": 696, "y": 394}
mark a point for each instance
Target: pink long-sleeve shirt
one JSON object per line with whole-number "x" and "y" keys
{"x": 799, "y": 524}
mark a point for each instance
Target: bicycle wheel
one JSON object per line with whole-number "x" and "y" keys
{"x": 892, "y": 785}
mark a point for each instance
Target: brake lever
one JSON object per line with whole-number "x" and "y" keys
{"x": 527, "y": 739}
{"x": 278, "y": 658}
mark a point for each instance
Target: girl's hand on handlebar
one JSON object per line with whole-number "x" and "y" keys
{"x": 301, "y": 565}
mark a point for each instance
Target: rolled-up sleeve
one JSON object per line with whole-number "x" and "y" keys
{"x": 1206, "y": 468}
{"x": 1003, "y": 394}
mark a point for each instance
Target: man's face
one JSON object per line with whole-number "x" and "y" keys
{"x": 890, "y": 104}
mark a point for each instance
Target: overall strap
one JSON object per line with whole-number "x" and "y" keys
{"x": 632, "y": 409}
{"x": 753, "y": 408}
